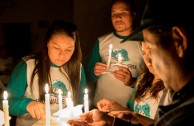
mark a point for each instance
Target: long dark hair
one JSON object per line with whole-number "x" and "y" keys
{"x": 43, "y": 63}
{"x": 145, "y": 84}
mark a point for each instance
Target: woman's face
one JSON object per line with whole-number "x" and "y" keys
{"x": 146, "y": 57}
{"x": 60, "y": 49}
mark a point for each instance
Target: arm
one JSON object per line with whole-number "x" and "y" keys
{"x": 93, "y": 59}
{"x": 131, "y": 117}
{"x": 16, "y": 89}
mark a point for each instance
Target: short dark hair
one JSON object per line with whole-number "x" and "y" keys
{"x": 130, "y": 3}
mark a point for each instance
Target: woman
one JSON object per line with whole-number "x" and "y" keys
{"x": 58, "y": 64}
{"x": 146, "y": 96}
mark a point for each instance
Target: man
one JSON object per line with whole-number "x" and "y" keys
{"x": 120, "y": 77}
{"x": 168, "y": 31}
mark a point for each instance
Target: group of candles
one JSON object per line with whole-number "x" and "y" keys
{"x": 69, "y": 102}
{"x": 120, "y": 58}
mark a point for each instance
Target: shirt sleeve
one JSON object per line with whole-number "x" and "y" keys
{"x": 16, "y": 89}
{"x": 131, "y": 101}
{"x": 93, "y": 58}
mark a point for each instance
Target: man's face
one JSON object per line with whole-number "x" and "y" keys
{"x": 122, "y": 17}
{"x": 162, "y": 59}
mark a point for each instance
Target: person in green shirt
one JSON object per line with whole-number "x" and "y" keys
{"x": 58, "y": 64}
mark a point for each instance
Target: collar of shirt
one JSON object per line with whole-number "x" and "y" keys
{"x": 179, "y": 97}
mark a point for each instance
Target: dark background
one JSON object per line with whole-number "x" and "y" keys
{"x": 23, "y": 22}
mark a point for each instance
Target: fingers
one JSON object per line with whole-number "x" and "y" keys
{"x": 87, "y": 116}
{"x": 107, "y": 105}
{"x": 99, "y": 68}
{"x": 101, "y": 104}
{"x": 36, "y": 109}
{"x": 125, "y": 115}
{"x": 78, "y": 122}
{"x": 123, "y": 74}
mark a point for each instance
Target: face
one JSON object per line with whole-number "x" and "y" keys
{"x": 60, "y": 49}
{"x": 162, "y": 59}
{"x": 146, "y": 57}
{"x": 122, "y": 18}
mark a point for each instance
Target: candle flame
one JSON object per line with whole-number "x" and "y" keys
{"x": 46, "y": 88}
{"x": 5, "y": 95}
{"x": 86, "y": 91}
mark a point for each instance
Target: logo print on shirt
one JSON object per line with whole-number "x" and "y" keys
{"x": 143, "y": 109}
{"x": 123, "y": 52}
{"x": 59, "y": 85}
{"x": 54, "y": 92}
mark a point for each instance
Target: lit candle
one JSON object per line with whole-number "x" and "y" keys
{"x": 120, "y": 58}
{"x": 60, "y": 100}
{"x": 47, "y": 101}
{"x": 86, "y": 102}
{"x": 109, "y": 55}
{"x": 69, "y": 101}
{"x": 5, "y": 109}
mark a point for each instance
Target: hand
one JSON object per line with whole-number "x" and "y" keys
{"x": 133, "y": 117}
{"x": 99, "y": 68}
{"x": 78, "y": 122}
{"x": 36, "y": 110}
{"x": 124, "y": 75}
{"x": 92, "y": 118}
{"x": 107, "y": 105}
{"x": 124, "y": 115}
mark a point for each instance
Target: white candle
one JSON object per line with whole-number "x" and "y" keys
{"x": 120, "y": 58}
{"x": 47, "y": 103}
{"x": 69, "y": 101}
{"x": 60, "y": 100}
{"x": 5, "y": 109}
{"x": 86, "y": 102}
{"x": 109, "y": 55}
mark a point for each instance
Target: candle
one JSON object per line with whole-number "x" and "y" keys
{"x": 69, "y": 101}
{"x": 86, "y": 102}
{"x": 120, "y": 58}
{"x": 109, "y": 56}
{"x": 47, "y": 101}
{"x": 5, "y": 109}
{"x": 60, "y": 100}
